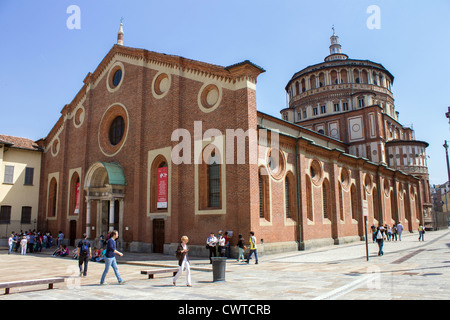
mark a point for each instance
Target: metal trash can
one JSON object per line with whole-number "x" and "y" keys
{"x": 218, "y": 265}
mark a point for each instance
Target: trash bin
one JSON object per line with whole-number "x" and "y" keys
{"x": 218, "y": 265}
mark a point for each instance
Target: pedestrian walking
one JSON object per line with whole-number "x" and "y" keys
{"x": 380, "y": 240}
{"x": 253, "y": 249}
{"x": 110, "y": 257}
{"x": 374, "y": 233}
{"x": 84, "y": 254}
{"x": 23, "y": 245}
{"x": 183, "y": 261}
{"x": 399, "y": 230}
{"x": 421, "y": 232}
{"x": 241, "y": 247}
{"x": 11, "y": 242}
{"x": 389, "y": 232}
{"x": 394, "y": 232}
{"x": 211, "y": 242}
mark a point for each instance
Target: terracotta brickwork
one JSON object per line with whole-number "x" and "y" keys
{"x": 315, "y": 197}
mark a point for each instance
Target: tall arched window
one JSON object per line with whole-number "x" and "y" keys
{"x": 264, "y": 197}
{"x": 354, "y": 202}
{"x": 159, "y": 185}
{"x": 290, "y": 195}
{"x": 326, "y": 203}
{"x": 376, "y": 211}
{"x": 74, "y": 194}
{"x": 394, "y": 214}
{"x": 52, "y": 196}
{"x": 309, "y": 199}
{"x": 341, "y": 203}
{"x": 213, "y": 183}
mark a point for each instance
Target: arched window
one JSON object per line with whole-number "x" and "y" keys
{"x": 354, "y": 202}
{"x": 334, "y": 77}
{"x": 74, "y": 194}
{"x": 309, "y": 199}
{"x": 326, "y": 207}
{"x": 341, "y": 203}
{"x": 344, "y": 76}
{"x": 210, "y": 179}
{"x": 52, "y": 197}
{"x": 394, "y": 214}
{"x": 264, "y": 197}
{"x": 213, "y": 182}
{"x": 290, "y": 195}
{"x": 159, "y": 185}
{"x": 322, "y": 79}
{"x": 376, "y": 210}
{"x": 313, "y": 82}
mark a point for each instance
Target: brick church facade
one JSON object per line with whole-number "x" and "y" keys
{"x": 159, "y": 146}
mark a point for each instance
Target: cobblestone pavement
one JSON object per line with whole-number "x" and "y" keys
{"x": 409, "y": 270}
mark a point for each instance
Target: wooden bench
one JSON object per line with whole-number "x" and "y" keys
{"x": 24, "y": 283}
{"x": 151, "y": 273}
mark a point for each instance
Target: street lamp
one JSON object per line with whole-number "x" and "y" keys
{"x": 446, "y": 153}
{"x": 448, "y": 114}
{"x": 448, "y": 172}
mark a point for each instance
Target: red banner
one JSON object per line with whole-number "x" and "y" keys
{"x": 162, "y": 188}
{"x": 77, "y": 199}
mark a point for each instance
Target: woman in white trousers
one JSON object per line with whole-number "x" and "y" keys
{"x": 183, "y": 261}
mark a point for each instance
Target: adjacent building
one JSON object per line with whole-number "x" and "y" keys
{"x": 20, "y": 169}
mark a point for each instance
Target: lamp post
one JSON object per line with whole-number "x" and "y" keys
{"x": 448, "y": 170}
{"x": 446, "y": 154}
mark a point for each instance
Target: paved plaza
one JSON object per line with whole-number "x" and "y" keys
{"x": 409, "y": 270}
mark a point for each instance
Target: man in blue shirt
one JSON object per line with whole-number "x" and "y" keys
{"x": 110, "y": 257}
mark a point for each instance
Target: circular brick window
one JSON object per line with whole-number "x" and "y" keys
{"x": 79, "y": 117}
{"x": 209, "y": 97}
{"x": 368, "y": 183}
{"x": 161, "y": 85}
{"x": 115, "y": 77}
{"x": 345, "y": 177}
{"x": 316, "y": 172}
{"x": 116, "y": 130}
{"x": 276, "y": 163}
{"x": 113, "y": 129}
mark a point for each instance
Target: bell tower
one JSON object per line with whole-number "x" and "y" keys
{"x": 335, "y": 49}
{"x": 120, "y": 34}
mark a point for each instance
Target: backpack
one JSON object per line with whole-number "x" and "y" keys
{"x": 84, "y": 248}
{"x": 379, "y": 235}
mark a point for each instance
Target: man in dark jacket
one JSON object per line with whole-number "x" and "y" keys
{"x": 84, "y": 254}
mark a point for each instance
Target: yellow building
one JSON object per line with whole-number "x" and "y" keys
{"x": 20, "y": 168}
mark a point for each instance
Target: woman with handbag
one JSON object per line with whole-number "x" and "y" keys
{"x": 183, "y": 261}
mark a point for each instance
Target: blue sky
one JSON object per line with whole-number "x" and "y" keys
{"x": 44, "y": 62}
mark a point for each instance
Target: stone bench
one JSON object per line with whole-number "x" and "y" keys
{"x": 151, "y": 273}
{"x": 24, "y": 283}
